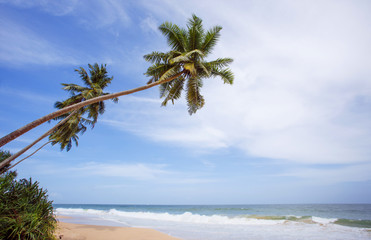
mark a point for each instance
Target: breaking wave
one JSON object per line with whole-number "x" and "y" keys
{"x": 189, "y": 217}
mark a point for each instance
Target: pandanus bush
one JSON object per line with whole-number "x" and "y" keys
{"x": 25, "y": 211}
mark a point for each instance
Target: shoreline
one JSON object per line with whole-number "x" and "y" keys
{"x": 75, "y": 231}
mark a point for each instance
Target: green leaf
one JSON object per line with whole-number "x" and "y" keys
{"x": 175, "y": 36}
{"x": 210, "y": 40}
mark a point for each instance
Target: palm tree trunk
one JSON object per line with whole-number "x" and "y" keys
{"x": 19, "y": 153}
{"x": 29, "y": 155}
{"x": 13, "y": 135}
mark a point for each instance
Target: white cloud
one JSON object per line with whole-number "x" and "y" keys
{"x": 58, "y": 8}
{"x": 21, "y": 44}
{"x": 136, "y": 171}
{"x": 111, "y": 171}
{"x": 27, "y": 95}
{"x": 300, "y": 68}
{"x": 341, "y": 174}
{"x": 91, "y": 13}
{"x": 102, "y": 13}
{"x": 168, "y": 124}
{"x": 149, "y": 24}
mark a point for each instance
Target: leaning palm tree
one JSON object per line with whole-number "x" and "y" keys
{"x": 189, "y": 49}
{"x": 184, "y": 66}
{"x": 70, "y": 125}
{"x": 93, "y": 87}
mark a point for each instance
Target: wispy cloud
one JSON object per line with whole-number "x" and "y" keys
{"x": 122, "y": 171}
{"x": 20, "y": 45}
{"x": 136, "y": 171}
{"x": 159, "y": 173}
{"x": 150, "y": 24}
{"x": 171, "y": 124}
{"x": 340, "y": 174}
{"x": 27, "y": 95}
{"x": 89, "y": 13}
{"x": 58, "y": 8}
{"x": 100, "y": 13}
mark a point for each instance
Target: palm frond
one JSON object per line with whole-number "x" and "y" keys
{"x": 202, "y": 70}
{"x": 101, "y": 108}
{"x": 169, "y": 73}
{"x": 157, "y": 70}
{"x": 87, "y": 121}
{"x": 179, "y": 59}
{"x": 87, "y": 94}
{"x": 84, "y": 76}
{"x": 164, "y": 88}
{"x": 70, "y": 101}
{"x": 186, "y": 57}
{"x": 99, "y": 75}
{"x": 195, "y": 100}
{"x": 156, "y": 57}
{"x": 226, "y": 75}
{"x": 195, "y": 52}
{"x": 175, "y": 36}
{"x": 93, "y": 112}
{"x": 195, "y": 33}
{"x": 219, "y": 63}
{"x": 73, "y": 88}
{"x": 173, "y": 90}
{"x": 210, "y": 40}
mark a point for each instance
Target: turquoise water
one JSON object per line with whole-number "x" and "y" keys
{"x": 286, "y": 221}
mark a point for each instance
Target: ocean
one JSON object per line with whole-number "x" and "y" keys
{"x": 233, "y": 222}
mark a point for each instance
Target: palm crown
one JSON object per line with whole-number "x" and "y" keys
{"x": 94, "y": 86}
{"x": 189, "y": 48}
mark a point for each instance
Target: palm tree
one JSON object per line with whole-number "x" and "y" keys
{"x": 67, "y": 133}
{"x": 185, "y": 62}
{"x": 189, "y": 48}
{"x": 70, "y": 125}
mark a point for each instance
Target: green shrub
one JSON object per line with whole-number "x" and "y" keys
{"x": 25, "y": 212}
{"x": 4, "y": 155}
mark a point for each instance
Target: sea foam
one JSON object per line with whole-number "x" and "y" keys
{"x": 189, "y": 217}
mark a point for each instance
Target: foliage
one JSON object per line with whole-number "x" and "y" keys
{"x": 25, "y": 212}
{"x": 189, "y": 48}
{"x": 66, "y": 134}
{"x": 4, "y": 155}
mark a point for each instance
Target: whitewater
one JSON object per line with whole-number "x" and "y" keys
{"x": 233, "y": 222}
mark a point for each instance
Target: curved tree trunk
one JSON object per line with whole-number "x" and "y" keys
{"x": 19, "y": 153}
{"x": 13, "y": 135}
{"x": 29, "y": 155}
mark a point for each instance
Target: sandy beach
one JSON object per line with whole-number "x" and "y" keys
{"x": 71, "y": 231}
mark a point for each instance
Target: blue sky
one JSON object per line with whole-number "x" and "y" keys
{"x": 294, "y": 128}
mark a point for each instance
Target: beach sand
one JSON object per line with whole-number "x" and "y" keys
{"x": 71, "y": 231}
